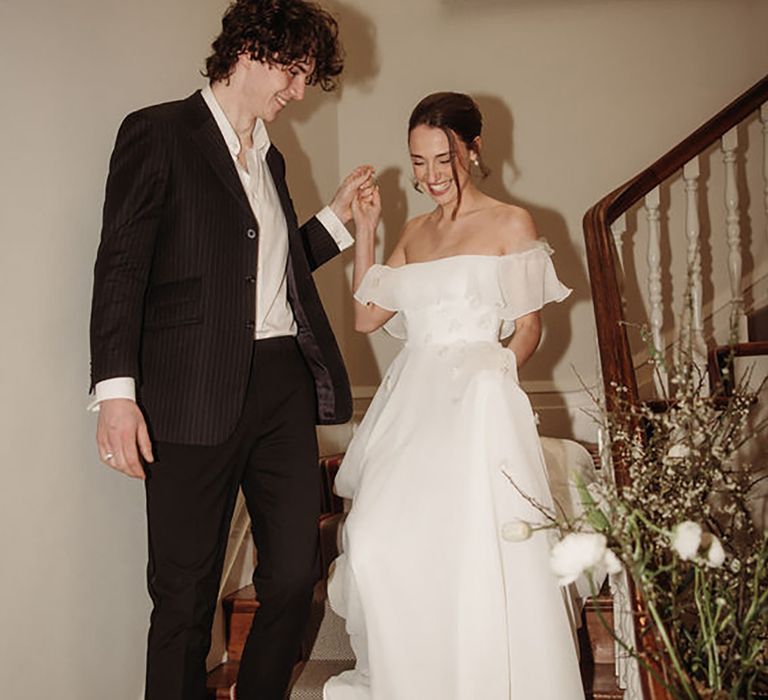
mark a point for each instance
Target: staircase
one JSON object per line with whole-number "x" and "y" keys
{"x": 325, "y": 650}
{"x": 720, "y": 173}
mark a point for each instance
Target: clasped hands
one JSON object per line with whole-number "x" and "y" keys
{"x": 358, "y": 198}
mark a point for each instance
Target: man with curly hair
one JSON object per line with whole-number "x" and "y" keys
{"x": 212, "y": 358}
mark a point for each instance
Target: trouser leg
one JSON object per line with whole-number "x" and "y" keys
{"x": 191, "y": 492}
{"x": 190, "y": 497}
{"x": 281, "y": 484}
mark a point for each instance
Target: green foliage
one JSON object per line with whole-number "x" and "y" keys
{"x": 710, "y": 612}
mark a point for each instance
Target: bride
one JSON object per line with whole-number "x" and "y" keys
{"x": 437, "y": 604}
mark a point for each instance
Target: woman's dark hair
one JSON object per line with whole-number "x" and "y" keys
{"x": 282, "y": 32}
{"x": 456, "y": 114}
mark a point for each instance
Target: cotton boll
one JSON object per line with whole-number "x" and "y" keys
{"x": 576, "y": 553}
{"x": 715, "y": 553}
{"x": 686, "y": 539}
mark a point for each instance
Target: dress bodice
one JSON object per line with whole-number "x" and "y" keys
{"x": 463, "y": 298}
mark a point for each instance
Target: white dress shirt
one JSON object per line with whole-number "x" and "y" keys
{"x": 274, "y": 316}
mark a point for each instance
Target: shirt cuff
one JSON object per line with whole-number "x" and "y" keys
{"x": 335, "y": 227}
{"x": 114, "y": 388}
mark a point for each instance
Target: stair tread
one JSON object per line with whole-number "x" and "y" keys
{"x": 221, "y": 679}
{"x": 746, "y": 349}
{"x": 332, "y": 642}
{"x": 314, "y": 675}
{"x": 243, "y": 600}
{"x": 600, "y": 682}
{"x": 599, "y": 602}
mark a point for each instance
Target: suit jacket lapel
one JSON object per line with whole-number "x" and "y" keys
{"x": 277, "y": 170}
{"x": 297, "y": 263}
{"x": 207, "y": 135}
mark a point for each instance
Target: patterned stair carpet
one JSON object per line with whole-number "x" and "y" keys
{"x": 331, "y": 654}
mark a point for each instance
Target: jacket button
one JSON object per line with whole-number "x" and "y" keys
{"x": 250, "y": 279}
{"x": 250, "y": 325}
{"x": 251, "y": 233}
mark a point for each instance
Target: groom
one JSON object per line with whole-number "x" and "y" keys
{"x": 212, "y": 358}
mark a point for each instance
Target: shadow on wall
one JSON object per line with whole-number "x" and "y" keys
{"x": 498, "y": 155}
{"x": 474, "y": 6}
{"x": 282, "y": 132}
{"x": 315, "y": 161}
{"x": 363, "y": 366}
{"x": 358, "y": 33}
{"x": 358, "y": 36}
{"x": 395, "y": 213}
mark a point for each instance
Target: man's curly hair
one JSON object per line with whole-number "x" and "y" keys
{"x": 281, "y": 32}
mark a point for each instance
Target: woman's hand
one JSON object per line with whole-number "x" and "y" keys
{"x": 366, "y": 209}
{"x": 359, "y": 182}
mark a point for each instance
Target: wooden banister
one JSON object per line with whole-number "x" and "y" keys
{"x": 602, "y": 259}
{"x": 615, "y": 355}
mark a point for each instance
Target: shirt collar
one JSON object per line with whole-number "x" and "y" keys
{"x": 260, "y": 136}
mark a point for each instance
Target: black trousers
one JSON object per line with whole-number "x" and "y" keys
{"x": 191, "y": 492}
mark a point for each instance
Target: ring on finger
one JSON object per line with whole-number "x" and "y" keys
{"x": 107, "y": 456}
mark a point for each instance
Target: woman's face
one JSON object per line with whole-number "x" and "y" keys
{"x": 431, "y": 161}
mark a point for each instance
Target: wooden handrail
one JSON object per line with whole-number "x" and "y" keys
{"x": 615, "y": 354}
{"x": 622, "y": 198}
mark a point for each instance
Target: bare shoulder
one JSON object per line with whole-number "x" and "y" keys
{"x": 413, "y": 230}
{"x": 414, "y": 226}
{"x": 515, "y": 227}
{"x": 409, "y": 233}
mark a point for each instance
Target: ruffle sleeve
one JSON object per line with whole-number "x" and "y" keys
{"x": 527, "y": 282}
{"x": 378, "y": 287}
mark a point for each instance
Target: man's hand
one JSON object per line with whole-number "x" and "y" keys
{"x": 121, "y": 430}
{"x": 359, "y": 183}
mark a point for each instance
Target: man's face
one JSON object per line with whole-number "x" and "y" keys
{"x": 269, "y": 88}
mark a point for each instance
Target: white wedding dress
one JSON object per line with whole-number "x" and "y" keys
{"x": 437, "y": 604}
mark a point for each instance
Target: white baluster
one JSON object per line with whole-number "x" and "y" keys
{"x": 692, "y": 231}
{"x": 728, "y": 146}
{"x": 764, "y": 120}
{"x": 618, "y": 229}
{"x": 656, "y": 315}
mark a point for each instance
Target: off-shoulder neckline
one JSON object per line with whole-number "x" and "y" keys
{"x": 539, "y": 245}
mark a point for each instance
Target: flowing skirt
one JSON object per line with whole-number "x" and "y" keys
{"x": 438, "y": 605}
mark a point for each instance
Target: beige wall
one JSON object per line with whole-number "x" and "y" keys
{"x": 73, "y": 620}
{"x": 578, "y": 97}
{"x": 73, "y": 617}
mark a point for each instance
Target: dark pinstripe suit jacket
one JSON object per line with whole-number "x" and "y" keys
{"x": 174, "y": 281}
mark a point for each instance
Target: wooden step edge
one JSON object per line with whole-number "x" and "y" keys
{"x": 602, "y": 598}
{"x": 599, "y": 681}
{"x": 221, "y": 679}
{"x": 603, "y": 603}
{"x": 242, "y": 600}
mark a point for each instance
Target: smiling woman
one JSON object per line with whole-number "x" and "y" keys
{"x": 434, "y": 600}
{"x": 459, "y": 119}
